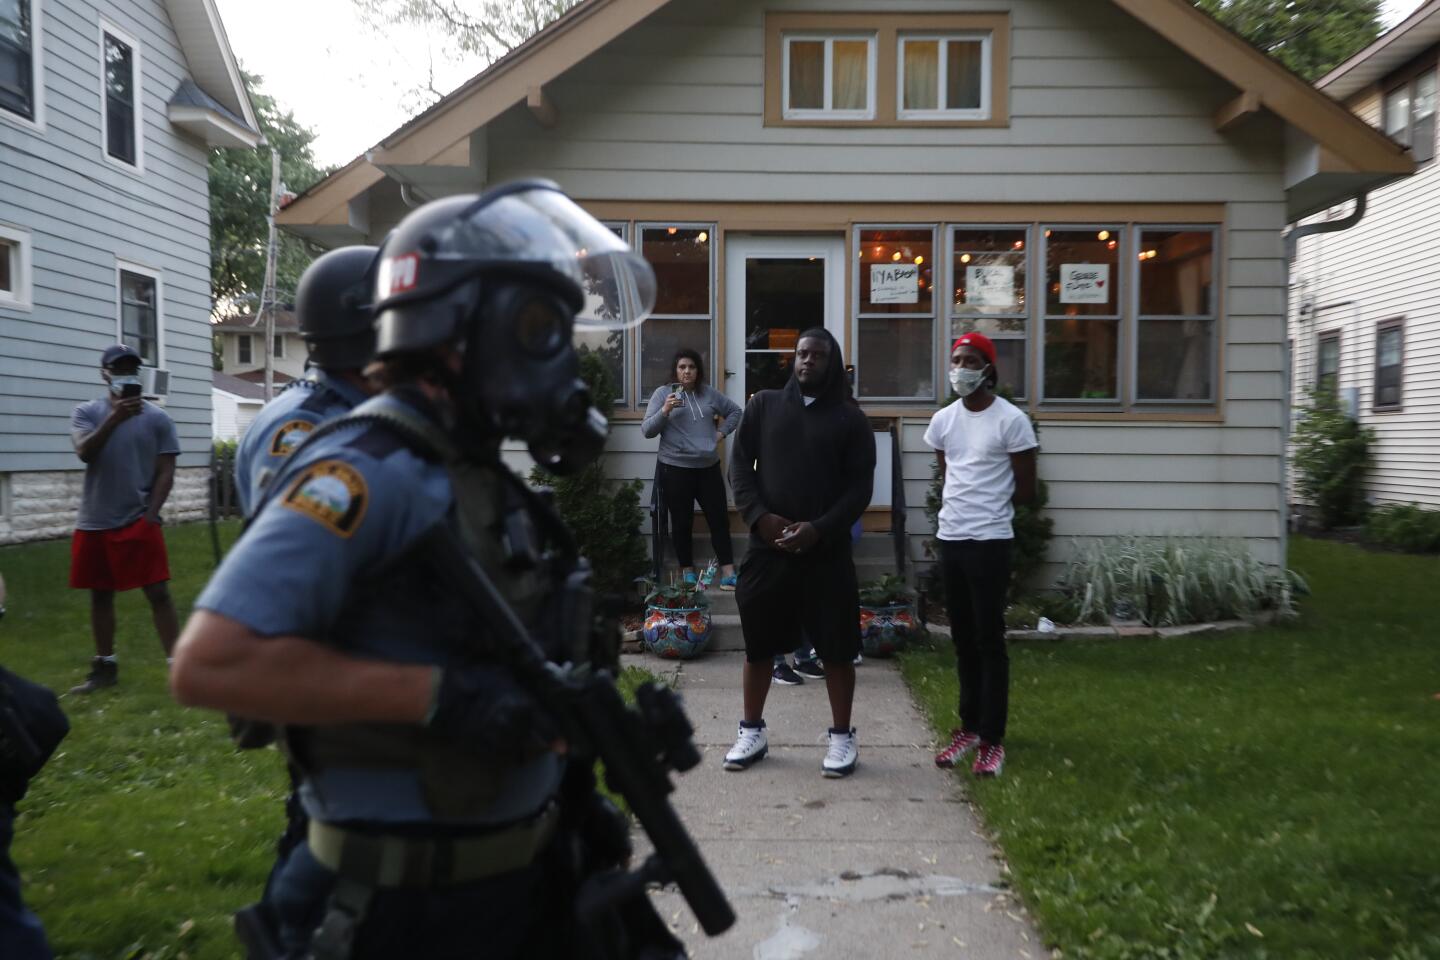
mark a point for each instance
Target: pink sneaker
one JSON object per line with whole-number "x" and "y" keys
{"x": 989, "y": 760}
{"x": 961, "y": 743}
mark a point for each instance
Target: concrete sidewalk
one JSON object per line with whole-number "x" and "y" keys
{"x": 889, "y": 862}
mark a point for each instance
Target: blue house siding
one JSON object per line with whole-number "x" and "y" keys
{"x": 83, "y": 215}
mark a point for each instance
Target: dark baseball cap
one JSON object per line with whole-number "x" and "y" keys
{"x": 115, "y": 354}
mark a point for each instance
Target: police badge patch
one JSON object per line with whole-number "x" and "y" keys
{"x": 290, "y": 435}
{"x": 331, "y": 492}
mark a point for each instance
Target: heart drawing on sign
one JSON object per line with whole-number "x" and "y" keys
{"x": 1099, "y": 283}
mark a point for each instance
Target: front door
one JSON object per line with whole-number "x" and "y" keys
{"x": 775, "y": 288}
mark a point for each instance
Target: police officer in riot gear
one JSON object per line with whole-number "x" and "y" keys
{"x": 442, "y": 819}
{"x": 332, "y": 303}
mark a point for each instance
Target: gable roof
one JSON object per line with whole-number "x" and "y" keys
{"x": 441, "y": 134}
{"x": 210, "y": 59}
{"x": 1392, "y": 50}
{"x": 235, "y": 386}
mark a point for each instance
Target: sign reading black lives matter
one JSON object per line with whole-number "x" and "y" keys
{"x": 894, "y": 283}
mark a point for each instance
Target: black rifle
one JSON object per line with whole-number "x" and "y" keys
{"x": 637, "y": 746}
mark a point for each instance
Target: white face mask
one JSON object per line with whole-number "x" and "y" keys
{"x": 117, "y": 384}
{"x": 965, "y": 381}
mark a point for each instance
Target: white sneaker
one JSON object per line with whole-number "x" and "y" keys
{"x": 750, "y": 747}
{"x": 842, "y": 755}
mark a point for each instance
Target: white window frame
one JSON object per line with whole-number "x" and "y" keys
{"x": 1042, "y": 316}
{"x": 936, "y": 310}
{"x": 130, "y": 266}
{"x": 22, "y": 296}
{"x": 629, "y": 341}
{"x": 137, "y": 60}
{"x": 1027, "y": 316}
{"x": 37, "y": 78}
{"x": 986, "y": 39}
{"x": 1131, "y": 343}
{"x": 244, "y": 338}
{"x": 826, "y": 112}
{"x": 637, "y": 347}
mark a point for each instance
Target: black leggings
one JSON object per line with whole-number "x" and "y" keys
{"x": 680, "y": 487}
{"x": 977, "y": 579}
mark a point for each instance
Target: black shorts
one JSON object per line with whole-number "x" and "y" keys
{"x": 782, "y": 597}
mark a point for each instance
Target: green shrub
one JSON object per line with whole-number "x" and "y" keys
{"x": 1332, "y": 455}
{"x": 1165, "y": 581}
{"x": 885, "y": 590}
{"x": 1033, "y": 531}
{"x": 1406, "y": 526}
{"x": 604, "y": 515}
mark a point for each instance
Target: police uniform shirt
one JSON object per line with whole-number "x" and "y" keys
{"x": 345, "y": 507}
{"x": 282, "y": 425}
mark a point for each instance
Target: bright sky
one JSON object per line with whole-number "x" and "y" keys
{"x": 351, "y": 85}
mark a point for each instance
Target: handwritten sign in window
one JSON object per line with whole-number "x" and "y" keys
{"x": 990, "y": 286}
{"x": 1085, "y": 283}
{"x": 894, "y": 283}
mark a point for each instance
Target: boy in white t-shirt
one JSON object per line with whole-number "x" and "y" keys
{"x": 986, "y": 450}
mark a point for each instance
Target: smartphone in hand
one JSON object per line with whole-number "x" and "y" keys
{"x": 129, "y": 391}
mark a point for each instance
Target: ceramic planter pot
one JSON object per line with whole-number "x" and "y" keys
{"x": 887, "y": 629}
{"x": 676, "y": 634}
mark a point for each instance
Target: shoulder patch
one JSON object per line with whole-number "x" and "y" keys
{"x": 289, "y": 436}
{"x": 332, "y": 493}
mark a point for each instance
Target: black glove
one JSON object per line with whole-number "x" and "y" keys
{"x": 484, "y": 706}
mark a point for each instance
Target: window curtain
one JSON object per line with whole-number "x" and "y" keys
{"x": 850, "y": 87}
{"x": 1192, "y": 382}
{"x": 807, "y": 75}
{"x": 922, "y": 74}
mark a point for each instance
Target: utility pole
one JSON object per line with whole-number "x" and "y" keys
{"x": 267, "y": 292}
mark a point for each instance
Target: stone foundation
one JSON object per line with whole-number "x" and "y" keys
{"x": 42, "y": 505}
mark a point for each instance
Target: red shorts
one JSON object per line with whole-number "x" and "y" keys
{"x": 119, "y": 559}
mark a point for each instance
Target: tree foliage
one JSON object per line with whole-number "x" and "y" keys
{"x": 1311, "y": 37}
{"x": 240, "y": 204}
{"x": 487, "y": 29}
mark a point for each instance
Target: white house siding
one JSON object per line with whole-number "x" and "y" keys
{"x": 292, "y": 364}
{"x": 1102, "y": 110}
{"x": 83, "y": 213}
{"x": 1382, "y": 268}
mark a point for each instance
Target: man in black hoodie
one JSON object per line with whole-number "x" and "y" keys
{"x": 801, "y": 467}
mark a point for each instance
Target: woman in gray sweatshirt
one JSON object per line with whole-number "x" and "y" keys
{"x": 691, "y": 418}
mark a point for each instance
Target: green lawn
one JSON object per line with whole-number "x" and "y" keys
{"x": 147, "y": 829}
{"x": 1266, "y": 794}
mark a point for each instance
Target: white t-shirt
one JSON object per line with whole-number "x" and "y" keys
{"x": 979, "y": 482}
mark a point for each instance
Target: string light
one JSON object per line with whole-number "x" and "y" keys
{"x": 919, "y": 260}
{"x": 895, "y": 256}
{"x": 964, "y": 258}
{"x": 1103, "y": 235}
{"x": 702, "y": 237}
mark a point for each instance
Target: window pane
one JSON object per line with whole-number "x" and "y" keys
{"x": 962, "y": 75}
{"x": 681, "y": 258}
{"x": 1389, "y": 347}
{"x": 922, "y": 74}
{"x": 135, "y": 288}
{"x": 895, "y": 358}
{"x": 1176, "y": 273}
{"x": 783, "y": 297}
{"x": 766, "y": 371}
{"x": 1174, "y": 360}
{"x": 137, "y": 320}
{"x": 1081, "y": 272}
{"x": 1080, "y": 359}
{"x": 242, "y": 348}
{"x": 1423, "y": 149}
{"x": 279, "y": 349}
{"x": 1425, "y": 95}
{"x": 850, "y": 85}
{"x": 1397, "y": 112}
{"x": 989, "y": 272}
{"x": 7, "y": 256}
{"x": 897, "y": 268}
{"x": 16, "y": 58}
{"x": 662, "y": 337}
{"x": 807, "y": 75}
{"x": 119, "y": 70}
{"x": 1327, "y": 364}
{"x": 610, "y": 345}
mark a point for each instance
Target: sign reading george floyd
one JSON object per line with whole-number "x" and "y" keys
{"x": 894, "y": 283}
{"x": 1085, "y": 283}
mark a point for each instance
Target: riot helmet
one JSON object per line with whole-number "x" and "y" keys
{"x": 332, "y": 303}
{"x": 507, "y": 277}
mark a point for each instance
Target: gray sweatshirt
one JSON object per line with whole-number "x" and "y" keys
{"x": 687, "y": 435}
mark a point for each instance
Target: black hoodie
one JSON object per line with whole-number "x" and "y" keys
{"x": 814, "y": 463}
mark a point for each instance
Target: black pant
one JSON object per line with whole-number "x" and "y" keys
{"x": 681, "y": 487}
{"x": 977, "y": 579}
{"x": 21, "y": 936}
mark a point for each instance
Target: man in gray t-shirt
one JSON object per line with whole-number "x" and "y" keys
{"x": 129, "y": 448}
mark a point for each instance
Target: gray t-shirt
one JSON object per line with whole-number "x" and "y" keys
{"x": 117, "y": 482}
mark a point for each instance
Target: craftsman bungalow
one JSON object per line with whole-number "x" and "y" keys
{"x": 1100, "y": 185}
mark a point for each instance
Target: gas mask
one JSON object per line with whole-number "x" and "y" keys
{"x": 965, "y": 381}
{"x": 522, "y": 376}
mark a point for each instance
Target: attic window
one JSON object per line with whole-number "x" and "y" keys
{"x": 829, "y": 77}
{"x": 1410, "y": 115}
{"x": 945, "y": 77}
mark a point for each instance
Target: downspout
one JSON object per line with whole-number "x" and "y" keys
{"x": 1292, "y": 249}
